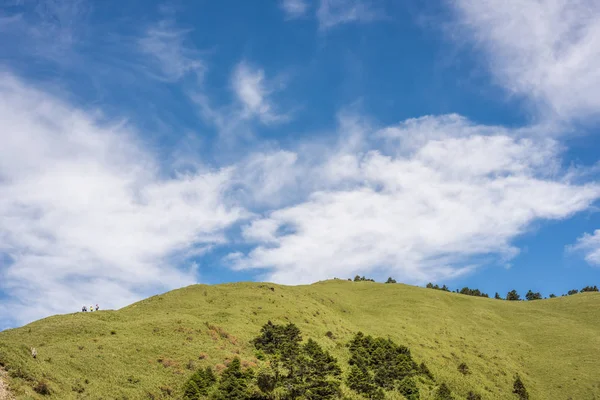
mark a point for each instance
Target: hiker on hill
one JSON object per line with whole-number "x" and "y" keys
{"x": 83, "y": 309}
{"x": 91, "y": 308}
{"x": 97, "y": 307}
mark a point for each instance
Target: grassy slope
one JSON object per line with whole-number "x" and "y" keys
{"x": 553, "y": 344}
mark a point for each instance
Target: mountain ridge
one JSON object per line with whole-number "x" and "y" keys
{"x": 150, "y": 347}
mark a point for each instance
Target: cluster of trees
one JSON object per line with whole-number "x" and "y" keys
{"x": 359, "y": 278}
{"x": 436, "y": 287}
{"x": 304, "y": 370}
{"x": 295, "y": 370}
{"x": 378, "y": 364}
{"x": 466, "y": 290}
{"x": 512, "y": 295}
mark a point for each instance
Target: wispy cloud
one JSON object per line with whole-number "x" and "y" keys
{"x": 253, "y": 91}
{"x": 172, "y": 58}
{"x": 418, "y": 209}
{"x": 545, "y": 50}
{"x": 589, "y": 246}
{"x": 294, "y": 8}
{"x": 86, "y": 214}
{"x": 336, "y": 12}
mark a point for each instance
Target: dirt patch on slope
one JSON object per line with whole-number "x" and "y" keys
{"x": 4, "y": 393}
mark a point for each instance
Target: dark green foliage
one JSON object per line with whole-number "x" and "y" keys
{"x": 443, "y": 393}
{"x": 199, "y": 384}
{"x": 513, "y": 295}
{"x": 533, "y": 296}
{"x": 590, "y": 289}
{"x": 378, "y": 363}
{"x": 359, "y": 278}
{"x": 408, "y": 388}
{"x": 42, "y": 388}
{"x": 519, "y": 389}
{"x": 473, "y": 396}
{"x": 360, "y": 380}
{"x": 552, "y": 295}
{"x": 266, "y": 381}
{"x": 497, "y": 296}
{"x": 473, "y": 292}
{"x": 233, "y": 384}
{"x": 282, "y": 341}
{"x": 390, "y": 280}
{"x": 302, "y": 371}
{"x": 463, "y": 369}
{"x": 573, "y": 291}
{"x": 432, "y": 286}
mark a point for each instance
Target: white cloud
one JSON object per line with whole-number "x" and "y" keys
{"x": 419, "y": 208}
{"x": 85, "y": 213}
{"x": 172, "y": 58}
{"x": 253, "y": 90}
{"x": 336, "y": 12}
{"x": 294, "y": 8}
{"x": 590, "y": 246}
{"x": 545, "y": 50}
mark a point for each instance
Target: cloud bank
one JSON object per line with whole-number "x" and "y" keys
{"x": 545, "y": 50}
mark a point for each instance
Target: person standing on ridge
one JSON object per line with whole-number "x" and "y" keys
{"x": 97, "y": 307}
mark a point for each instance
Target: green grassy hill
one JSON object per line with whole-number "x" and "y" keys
{"x": 148, "y": 350}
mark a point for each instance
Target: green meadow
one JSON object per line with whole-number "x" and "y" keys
{"x": 149, "y": 349}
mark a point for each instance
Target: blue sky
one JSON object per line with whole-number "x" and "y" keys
{"x": 146, "y": 145}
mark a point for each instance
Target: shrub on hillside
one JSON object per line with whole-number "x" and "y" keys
{"x": 497, "y": 296}
{"x": 390, "y": 280}
{"x": 463, "y": 368}
{"x": 590, "y": 289}
{"x": 572, "y": 291}
{"x": 552, "y": 295}
{"x": 473, "y": 396}
{"x": 533, "y": 296}
{"x": 513, "y": 295}
{"x": 43, "y": 388}
{"x": 199, "y": 384}
{"x": 443, "y": 393}
{"x": 408, "y": 388}
{"x": 519, "y": 389}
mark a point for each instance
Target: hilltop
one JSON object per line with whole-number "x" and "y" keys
{"x": 150, "y": 348}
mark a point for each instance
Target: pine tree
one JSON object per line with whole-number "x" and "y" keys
{"x": 497, "y": 296}
{"x": 360, "y": 380}
{"x": 234, "y": 382}
{"x": 512, "y": 295}
{"x": 408, "y": 388}
{"x": 533, "y": 296}
{"x": 199, "y": 384}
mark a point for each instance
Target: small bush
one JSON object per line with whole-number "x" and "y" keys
{"x": 463, "y": 369}
{"x": 519, "y": 388}
{"x": 330, "y": 335}
{"x": 443, "y": 393}
{"x": 78, "y": 388}
{"x": 42, "y": 388}
{"x": 473, "y": 396}
{"x": 113, "y": 332}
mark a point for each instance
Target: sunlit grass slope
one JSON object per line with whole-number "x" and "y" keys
{"x": 145, "y": 350}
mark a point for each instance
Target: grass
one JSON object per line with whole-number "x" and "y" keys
{"x": 146, "y": 350}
